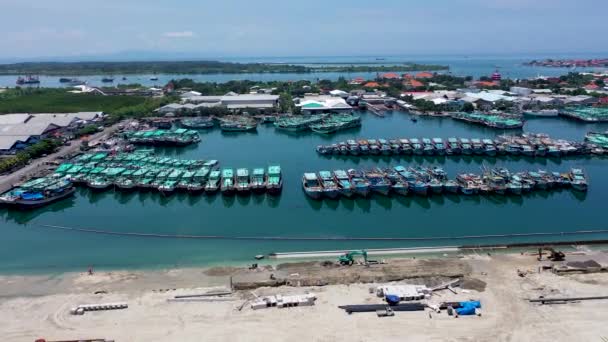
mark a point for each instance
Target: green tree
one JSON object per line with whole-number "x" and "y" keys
{"x": 468, "y": 107}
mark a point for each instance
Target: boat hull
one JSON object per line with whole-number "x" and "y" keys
{"x": 28, "y": 205}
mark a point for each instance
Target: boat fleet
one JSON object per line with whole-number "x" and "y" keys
{"x": 426, "y": 181}
{"x": 492, "y": 120}
{"x": 527, "y": 144}
{"x": 163, "y": 137}
{"x": 142, "y": 170}
{"x": 319, "y": 123}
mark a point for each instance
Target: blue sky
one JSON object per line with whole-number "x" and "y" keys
{"x": 225, "y": 28}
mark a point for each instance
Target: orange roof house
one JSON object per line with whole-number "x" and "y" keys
{"x": 486, "y": 83}
{"x": 371, "y": 85}
{"x": 414, "y": 83}
{"x": 390, "y": 76}
{"x": 358, "y": 80}
{"x": 424, "y": 75}
{"x": 592, "y": 86}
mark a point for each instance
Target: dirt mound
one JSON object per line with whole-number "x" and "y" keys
{"x": 473, "y": 284}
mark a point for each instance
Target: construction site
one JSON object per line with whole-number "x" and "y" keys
{"x": 475, "y": 296}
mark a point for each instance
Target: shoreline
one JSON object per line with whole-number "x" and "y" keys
{"x": 39, "y": 307}
{"x": 277, "y": 258}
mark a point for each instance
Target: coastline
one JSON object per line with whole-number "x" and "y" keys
{"x": 38, "y": 307}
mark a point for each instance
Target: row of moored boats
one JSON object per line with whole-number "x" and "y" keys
{"x": 530, "y": 145}
{"x": 425, "y": 181}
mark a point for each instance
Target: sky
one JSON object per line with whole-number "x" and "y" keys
{"x": 135, "y": 29}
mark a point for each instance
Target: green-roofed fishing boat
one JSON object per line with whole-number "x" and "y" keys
{"x": 227, "y": 183}
{"x": 213, "y": 184}
{"x": 274, "y": 180}
{"x": 242, "y": 181}
{"x": 257, "y": 183}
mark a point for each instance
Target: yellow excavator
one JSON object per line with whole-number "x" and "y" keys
{"x": 347, "y": 259}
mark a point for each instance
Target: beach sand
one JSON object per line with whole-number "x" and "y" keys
{"x": 38, "y": 307}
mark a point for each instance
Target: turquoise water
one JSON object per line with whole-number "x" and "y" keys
{"x": 25, "y": 246}
{"x": 476, "y": 66}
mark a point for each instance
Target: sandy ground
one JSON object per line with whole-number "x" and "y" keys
{"x": 43, "y": 310}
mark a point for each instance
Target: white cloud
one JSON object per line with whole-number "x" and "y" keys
{"x": 180, "y": 34}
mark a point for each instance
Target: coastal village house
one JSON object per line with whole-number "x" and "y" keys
{"x": 17, "y": 131}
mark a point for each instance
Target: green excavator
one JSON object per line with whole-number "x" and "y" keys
{"x": 349, "y": 257}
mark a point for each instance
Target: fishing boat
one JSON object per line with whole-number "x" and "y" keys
{"x": 167, "y": 187}
{"x": 542, "y": 113}
{"x": 227, "y": 182}
{"x": 274, "y": 180}
{"x": 242, "y": 181}
{"x": 466, "y": 147}
{"x": 37, "y": 193}
{"x": 361, "y": 186}
{"x": 417, "y": 147}
{"x": 297, "y": 123}
{"x": 364, "y": 146}
{"x": 344, "y": 185}
{"x": 489, "y": 147}
{"x": 578, "y": 180}
{"x": 197, "y": 123}
{"x": 451, "y": 186}
{"x": 330, "y": 187}
{"x": 406, "y": 147}
{"x": 187, "y": 180}
{"x": 336, "y": 123}
{"x": 378, "y": 182}
{"x": 477, "y": 146}
{"x": 440, "y": 147}
{"x": 29, "y": 79}
{"x": 213, "y": 183}
{"x": 527, "y": 150}
{"x": 395, "y": 146}
{"x": 199, "y": 179}
{"x": 99, "y": 183}
{"x": 436, "y": 186}
{"x": 374, "y": 146}
{"x": 427, "y": 147}
{"x": 107, "y": 79}
{"x": 353, "y": 147}
{"x": 398, "y": 184}
{"x": 228, "y": 126}
{"x": 385, "y": 148}
{"x": 453, "y": 146}
{"x": 312, "y": 185}
{"x": 125, "y": 183}
{"x": 257, "y": 180}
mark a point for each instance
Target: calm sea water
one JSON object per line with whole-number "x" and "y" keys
{"x": 509, "y": 66}
{"x": 27, "y": 247}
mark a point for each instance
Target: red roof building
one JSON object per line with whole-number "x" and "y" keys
{"x": 358, "y": 80}
{"x": 486, "y": 84}
{"x": 390, "y": 76}
{"x": 414, "y": 83}
{"x": 424, "y": 75}
{"x": 371, "y": 85}
{"x": 603, "y": 100}
{"x": 592, "y": 86}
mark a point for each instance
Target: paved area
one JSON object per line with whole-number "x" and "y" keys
{"x": 37, "y": 165}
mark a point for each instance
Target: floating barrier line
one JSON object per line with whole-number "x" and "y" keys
{"x": 337, "y": 238}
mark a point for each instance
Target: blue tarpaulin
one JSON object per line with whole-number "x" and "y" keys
{"x": 29, "y": 196}
{"x": 468, "y": 308}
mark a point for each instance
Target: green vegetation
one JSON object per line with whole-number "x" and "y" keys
{"x": 47, "y": 100}
{"x": 31, "y": 152}
{"x": 87, "y": 130}
{"x": 51, "y": 100}
{"x": 192, "y": 67}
